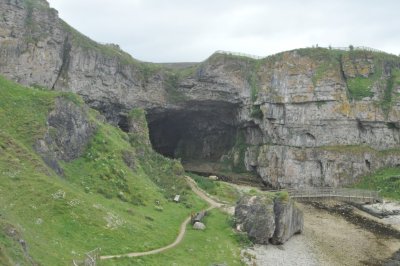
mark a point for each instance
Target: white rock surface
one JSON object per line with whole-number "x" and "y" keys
{"x": 199, "y": 226}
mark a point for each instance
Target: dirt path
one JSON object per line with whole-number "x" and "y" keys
{"x": 213, "y": 204}
{"x": 181, "y": 234}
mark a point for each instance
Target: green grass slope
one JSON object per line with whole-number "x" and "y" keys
{"x": 223, "y": 191}
{"x": 386, "y": 181}
{"x": 216, "y": 245}
{"x": 100, "y": 202}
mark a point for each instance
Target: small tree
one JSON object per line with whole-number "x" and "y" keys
{"x": 351, "y": 47}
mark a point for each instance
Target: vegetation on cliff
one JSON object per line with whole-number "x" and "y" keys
{"x": 119, "y": 189}
{"x": 117, "y": 196}
{"x": 386, "y": 181}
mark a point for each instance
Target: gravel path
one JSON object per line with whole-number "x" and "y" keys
{"x": 294, "y": 252}
{"x": 213, "y": 203}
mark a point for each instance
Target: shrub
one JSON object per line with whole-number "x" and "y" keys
{"x": 242, "y": 239}
{"x": 360, "y": 87}
{"x": 256, "y": 112}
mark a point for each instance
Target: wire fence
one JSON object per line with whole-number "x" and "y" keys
{"x": 349, "y": 48}
{"x": 239, "y": 54}
{"x": 90, "y": 258}
{"x": 357, "y": 48}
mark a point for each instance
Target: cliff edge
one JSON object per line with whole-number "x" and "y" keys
{"x": 307, "y": 117}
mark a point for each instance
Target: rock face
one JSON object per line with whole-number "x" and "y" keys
{"x": 268, "y": 220}
{"x": 288, "y": 221}
{"x": 255, "y": 215}
{"x": 69, "y": 131}
{"x": 307, "y": 117}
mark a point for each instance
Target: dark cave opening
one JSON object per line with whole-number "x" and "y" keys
{"x": 198, "y": 132}
{"x": 368, "y": 164}
{"x": 123, "y": 123}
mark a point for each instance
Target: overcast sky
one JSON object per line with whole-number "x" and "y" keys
{"x": 191, "y": 30}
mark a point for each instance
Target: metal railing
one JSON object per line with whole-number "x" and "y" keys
{"x": 342, "y": 194}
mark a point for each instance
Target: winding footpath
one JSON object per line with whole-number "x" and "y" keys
{"x": 182, "y": 230}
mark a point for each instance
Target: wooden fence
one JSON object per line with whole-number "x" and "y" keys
{"x": 342, "y": 194}
{"x": 90, "y": 258}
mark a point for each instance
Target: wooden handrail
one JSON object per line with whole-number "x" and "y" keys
{"x": 330, "y": 192}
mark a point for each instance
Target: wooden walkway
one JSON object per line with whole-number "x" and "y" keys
{"x": 342, "y": 194}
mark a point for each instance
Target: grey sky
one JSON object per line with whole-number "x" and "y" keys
{"x": 191, "y": 30}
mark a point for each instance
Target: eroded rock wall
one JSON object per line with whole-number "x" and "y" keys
{"x": 317, "y": 130}
{"x": 303, "y": 118}
{"x": 69, "y": 130}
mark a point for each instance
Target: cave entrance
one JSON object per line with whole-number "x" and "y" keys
{"x": 199, "y": 132}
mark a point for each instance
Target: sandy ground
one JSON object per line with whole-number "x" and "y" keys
{"x": 328, "y": 239}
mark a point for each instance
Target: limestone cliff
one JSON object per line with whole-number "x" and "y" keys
{"x": 69, "y": 130}
{"x": 299, "y": 118}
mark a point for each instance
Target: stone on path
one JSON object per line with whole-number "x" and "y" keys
{"x": 213, "y": 177}
{"x": 199, "y": 226}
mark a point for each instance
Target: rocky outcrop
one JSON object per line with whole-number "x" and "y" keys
{"x": 320, "y": 166}
{"x": 255, "y": 215}
{"x": 69, "y": 130}
{"x": 288, "y": 220}
{"x": 300, "y": 118}
{"x": 31, "y": 42}
{"x": 267, "y": 220}
{"x": 325, "y": 120}
{"x": 18, "y": 243}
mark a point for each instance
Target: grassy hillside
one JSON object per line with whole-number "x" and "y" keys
{"x": 217, "y": 245}
{"x": 116, "y": 197}
{"x": 386, "y": 181}
{"x": 223, "y": 191}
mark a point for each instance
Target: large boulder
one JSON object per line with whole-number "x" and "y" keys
{"x": 288, "y": 220}
{"x": 255, "y": 215}
{"x": 267, "y": 219}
